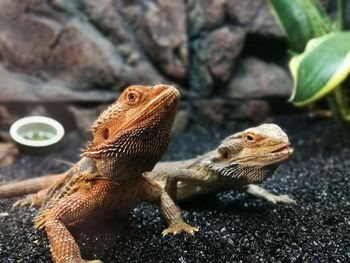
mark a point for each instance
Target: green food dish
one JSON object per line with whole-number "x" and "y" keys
{"x": 37, "y": 134}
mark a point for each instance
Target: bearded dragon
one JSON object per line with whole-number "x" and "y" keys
{"x": 129, "y": 138}
{"x": 240, "y": 162}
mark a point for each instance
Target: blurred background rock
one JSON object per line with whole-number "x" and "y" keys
{"x": 64, "y": 58}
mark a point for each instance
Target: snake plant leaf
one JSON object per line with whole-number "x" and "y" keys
{"x": 322, "y": 67}
{"x": 293, "y": 20}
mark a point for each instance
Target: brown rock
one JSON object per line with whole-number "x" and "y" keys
{"x": 224, "y": 45}
{"x": 213, "y": 57}
{"x": 254, "y": 78}
{"x": 27, "y": 47}
{"x": 5, "y": 136}
{"x": 24, "y": 87}
{"x": 54, "y": 56}
{"x": 217, "y": 110}
{"x": 160, "y": 27}
{"x": 8, "y": 152}
{"x": 214, "y": 13}
{"x": 83, "y": 118}
{"x": 212, "y": 110}
{"x": 89, "y": 50}
{"x": 255, "y": 16}
{"x": 126, "y": 47}
{"x": 204, "y": 15}
{"x": 5, "y": 116}
{"x": 256, "y": 110}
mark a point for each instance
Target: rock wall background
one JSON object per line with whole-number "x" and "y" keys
{"x": 86, "y": 51}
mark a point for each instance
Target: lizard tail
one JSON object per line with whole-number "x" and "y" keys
{"x": 29, "y": 186}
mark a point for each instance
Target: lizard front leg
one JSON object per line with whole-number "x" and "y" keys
{"x": 69, "y": 211}
{"x": 262, "y": 193}
{"x": 38, "y": 198}
{"x": 172, "y": 177}
{"x": 155, "y": 193}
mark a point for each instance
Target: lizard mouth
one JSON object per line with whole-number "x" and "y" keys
{"x": 166, "y": 100}
{"x": 276, "y": 155}
{"x": 285, "y": 149}
{"x": 280, "y": 154}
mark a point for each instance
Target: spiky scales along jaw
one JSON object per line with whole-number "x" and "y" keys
{"x": 136, "y": 127}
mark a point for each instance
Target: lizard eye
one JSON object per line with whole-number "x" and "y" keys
{"x": 249, "y": 137}
{"x": 105, "y": 133}
{"x": 133, "y": 97}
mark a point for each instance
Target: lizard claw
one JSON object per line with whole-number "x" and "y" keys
{"x": 18, "y": 204}
{"x": 178, "y": 227}
{"x": 29, "y": 200}
{"x": 284, "y": 199}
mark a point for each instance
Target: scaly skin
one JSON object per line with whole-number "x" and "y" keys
{"x": 239, "y": 162}
{"x": 128, "y": 139}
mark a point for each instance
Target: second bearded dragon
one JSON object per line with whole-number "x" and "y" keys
{"x": 240, "y": 162}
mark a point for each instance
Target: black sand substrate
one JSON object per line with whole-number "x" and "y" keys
{"x": 234, "y": 227}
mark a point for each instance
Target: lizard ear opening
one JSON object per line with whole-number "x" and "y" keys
{"x": 225, "y": 155}
{"x": 105, "y": 133}
{"x": 223, "y": 150}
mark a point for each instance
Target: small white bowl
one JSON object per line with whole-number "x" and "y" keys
{"x": 37, "y": 134}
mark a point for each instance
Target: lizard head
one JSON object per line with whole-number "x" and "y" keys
{"x": 136, "y": 128}
{"x": 252, "y": 154}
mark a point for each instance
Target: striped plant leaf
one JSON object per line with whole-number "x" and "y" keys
{"x": 323, "y": 65}
{"x": 294, "y": 21}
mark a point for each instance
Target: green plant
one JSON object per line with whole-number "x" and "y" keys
{"x": 320, "y": 50}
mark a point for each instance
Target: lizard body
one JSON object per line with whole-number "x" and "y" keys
{"x": 239, "y": 162}
{"x": 212, "y": 172}
{"x": 234, "y": 164}
{"x": 129, "y": 138}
